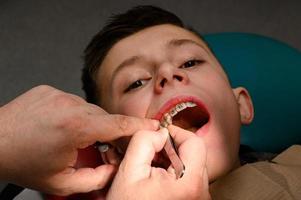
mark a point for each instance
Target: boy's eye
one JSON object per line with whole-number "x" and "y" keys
{"x": 191, "y": 63}
{"x": 134, "y": 85}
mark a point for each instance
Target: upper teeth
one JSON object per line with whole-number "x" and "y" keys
{"x": 167, "y": 118}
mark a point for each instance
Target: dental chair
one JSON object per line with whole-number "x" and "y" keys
{"x": 270, "y": 70}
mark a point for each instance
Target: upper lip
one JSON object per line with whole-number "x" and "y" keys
{"x": 170, "y": 104}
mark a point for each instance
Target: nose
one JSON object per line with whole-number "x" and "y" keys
{"x": 170, "y": 76}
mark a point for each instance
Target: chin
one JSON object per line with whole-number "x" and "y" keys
{"x": 220, "y": 166}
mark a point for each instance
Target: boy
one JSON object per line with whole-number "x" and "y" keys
{"x": 146, "y": 63}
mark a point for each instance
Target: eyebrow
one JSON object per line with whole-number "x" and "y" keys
{"x": 127, "y": 62}
{"x": 181, "y": 42}
{"x": 170, "y": 44}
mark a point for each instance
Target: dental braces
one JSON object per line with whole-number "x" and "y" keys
{"x": 167, "y": 118}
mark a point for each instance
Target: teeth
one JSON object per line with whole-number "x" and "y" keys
{"x": 173, "y": 112}
{"x": 180, "y": 107}
{"x": 190, "y": 104}
{"x": 167, "y": 119}
{"x": 164, "y": 124}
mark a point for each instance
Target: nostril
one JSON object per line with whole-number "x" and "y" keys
{"x": 179, "y": 78}
{"x": 175, "y": 77}
{"x": 162, "y": 83}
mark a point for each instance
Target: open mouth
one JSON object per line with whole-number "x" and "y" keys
{"x": 187, "y": 113}
{"x": 190, "y": 116}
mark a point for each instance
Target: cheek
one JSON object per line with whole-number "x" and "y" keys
{"x": 223, "y": 139}
{"x": 134, "y": 105}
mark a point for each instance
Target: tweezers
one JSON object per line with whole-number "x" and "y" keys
{"x": 173, "y": 154}
{"x": 169, "y": 147}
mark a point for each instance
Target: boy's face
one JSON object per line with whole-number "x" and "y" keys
{"x": 148, "y": 73}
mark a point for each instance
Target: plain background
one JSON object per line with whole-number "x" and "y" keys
{"x": 41, "y": 42}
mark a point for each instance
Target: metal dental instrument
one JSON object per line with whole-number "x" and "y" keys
{"x": 172, "y": 152}
{"x": 109, "y": 154}
{"x": 169, "y": 147}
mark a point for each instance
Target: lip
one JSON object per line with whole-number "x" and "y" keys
{"x": 170, "y": 104}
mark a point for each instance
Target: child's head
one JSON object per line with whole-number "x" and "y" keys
{"x": 145, "y": 62}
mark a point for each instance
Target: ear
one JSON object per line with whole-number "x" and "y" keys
{"x": 245, "y": 104}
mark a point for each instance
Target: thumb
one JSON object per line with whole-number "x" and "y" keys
{"x": 136, "y": 164}
{"x": 84, "y": 180}
{"x": 193, "y": 152}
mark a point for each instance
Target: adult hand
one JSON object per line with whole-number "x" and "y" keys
{"x": 137, "y": 179}
{"x": 41, "y": 132}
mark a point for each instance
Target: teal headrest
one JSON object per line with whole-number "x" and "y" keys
{"x": 270, "y": 70}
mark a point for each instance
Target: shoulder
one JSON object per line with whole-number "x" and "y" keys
{"x": 276, "y": 179}
{"x": 291, "y": 156}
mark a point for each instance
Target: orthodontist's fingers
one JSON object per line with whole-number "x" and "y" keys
{"x": 140, "y": 153}
{"x": 178, "y": 134}
{"x": 83, "y": 180}
{"x": 193, "y": 153}
{"x": 111, "y": 156}
{"x": 108, "y": 127}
